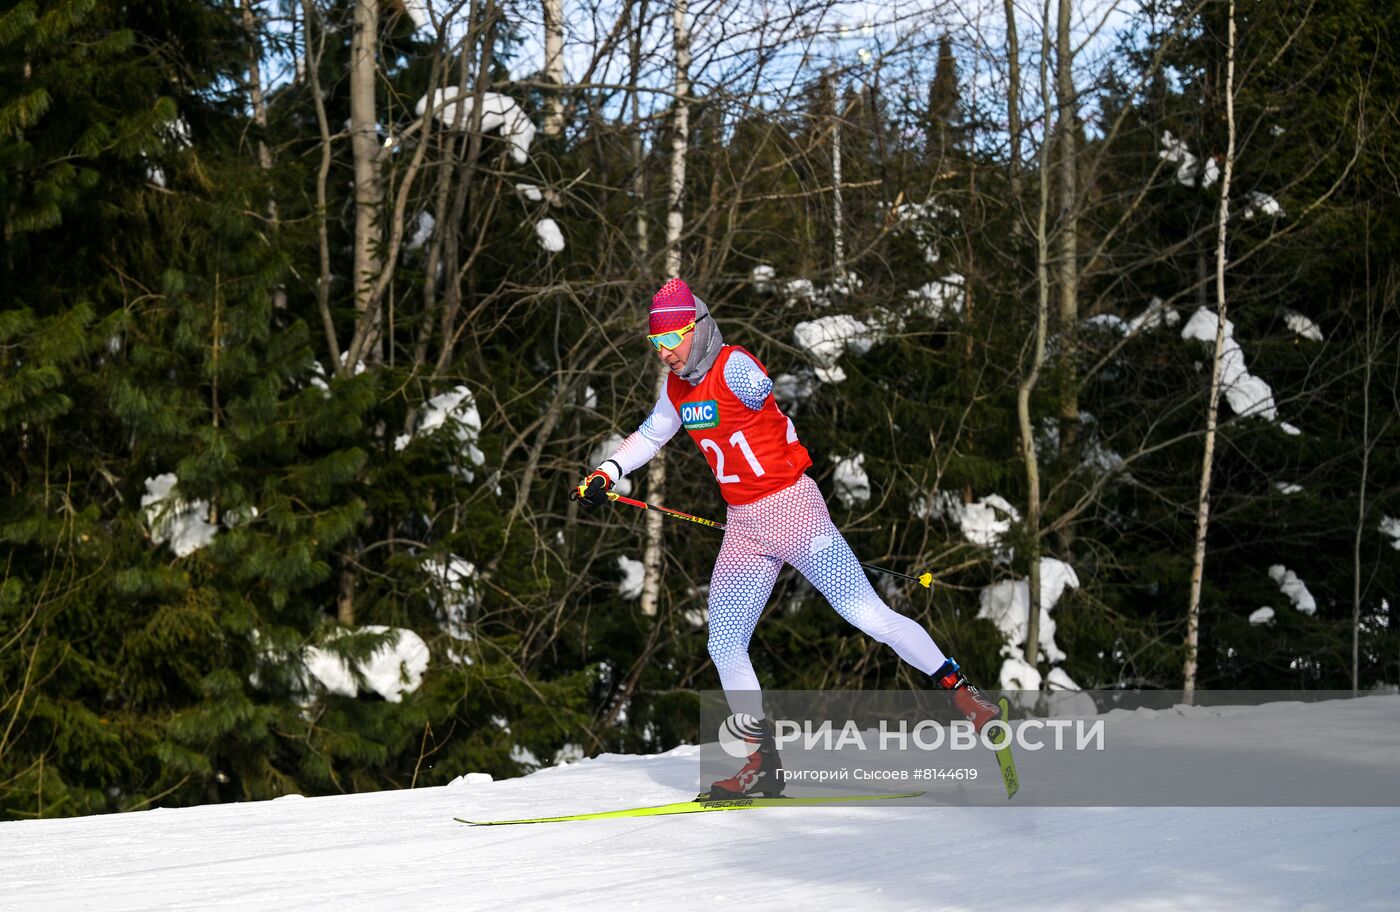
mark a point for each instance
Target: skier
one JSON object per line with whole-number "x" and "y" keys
{"x": 723, "y": 397}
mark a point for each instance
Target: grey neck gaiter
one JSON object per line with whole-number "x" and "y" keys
{"x": 705, "y": 347}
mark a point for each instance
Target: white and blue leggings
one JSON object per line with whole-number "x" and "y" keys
{"x": 794, "y": 526}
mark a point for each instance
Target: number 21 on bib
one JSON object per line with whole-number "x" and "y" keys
{"x": 753, "y": 453}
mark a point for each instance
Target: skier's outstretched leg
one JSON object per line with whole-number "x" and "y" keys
{"x": 819, "y": 552}
{"x": 814, "y": 545}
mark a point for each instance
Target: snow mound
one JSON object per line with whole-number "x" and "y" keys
{"x": 1257, "y": 204}
{"x": 454, "y": 592}
{"x": 1390, "y": 528}
{"x": 1016, "y": 672}
{"x": 922, "y": 221}
{"x": 1291, "y": 586}
{"x": 456, "y": 411}
{"x": 826, "y": 339}
{"x": 936, "y": 505}
{"x": 470, "y": 779}
{"x": 633, "y": 573}
{"x": 172, "y": 520}
{"x": 798, "y": 290}
{"x": 452, "y": 107}
{"x": 549, "y": 235}
{"x": 1175, "y": 151}
{"x": 852, "y": 484}
{"x": 1155, "y": 315}
{"x": 422, "y": 230}
{"x": 791, "y": 390}
{"x": 1007, "y": 604}
{"x": 985, "y": 521}
{"x": 804, "y": 291}
{"x": 396, "y": 668}
{"x": 1246, "y": 393}
{"x": 1302, "y": 325}
{"x": 939, "y": 298}
{"x": 762, "y": 278}
{"x": 1094, "y": 454}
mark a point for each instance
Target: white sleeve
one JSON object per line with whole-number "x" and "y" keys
{"x": 645, "y": 442}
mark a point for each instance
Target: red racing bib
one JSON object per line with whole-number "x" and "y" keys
{"x": 752, "y": 453}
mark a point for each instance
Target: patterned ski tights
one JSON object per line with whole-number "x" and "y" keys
{"x": 793, "y": 526}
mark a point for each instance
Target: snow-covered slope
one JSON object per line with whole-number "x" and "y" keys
{"x": 401, "y": 850}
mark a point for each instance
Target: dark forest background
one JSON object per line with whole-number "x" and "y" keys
{"x": 237, "y": 251}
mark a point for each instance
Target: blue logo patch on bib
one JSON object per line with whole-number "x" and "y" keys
{"x": 697, "y": 416}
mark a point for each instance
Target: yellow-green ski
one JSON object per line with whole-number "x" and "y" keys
{"x": 697, "y": 807}
{"x": 1005, "y": 760}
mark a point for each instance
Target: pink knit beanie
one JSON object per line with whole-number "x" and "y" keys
{"x": 671, "y": 308}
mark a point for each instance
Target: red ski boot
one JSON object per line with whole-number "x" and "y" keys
{"x": 970, "y": 701}
{"x": 761, "y": 774}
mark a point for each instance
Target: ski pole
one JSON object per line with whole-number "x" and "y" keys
{"x": 925, "y": 579}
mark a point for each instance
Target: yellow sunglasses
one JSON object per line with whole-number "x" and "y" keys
{"x": 670, "y": 340}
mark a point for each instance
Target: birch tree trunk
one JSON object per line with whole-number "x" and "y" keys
{"x": 1069, "y": 244}
{"x": 1023, "y": 392}
{"x": 639, "y": 174}
{"x": 838, "y": 241}
{"x": 369, "y": 198}
{"x": 1361, "y": 508}
{"x": 255, "y": 92}
{"x": 554, "y": 66}
{"x": 675, "y": 222}
{"x": 680, "y": 138}
{"x": 1193, "y": 608}
{"x": 1013, "y": 104}
{"x": 369, "y": 189}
